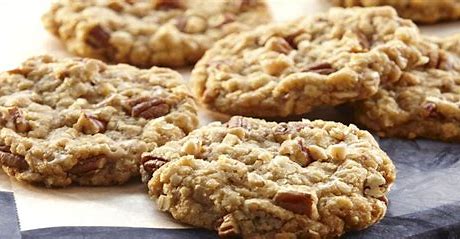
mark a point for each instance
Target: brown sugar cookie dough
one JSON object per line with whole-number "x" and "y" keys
{"x": 424, "y": 102}
{"x": 290, "y": 68}
{"x": 422, "y": 11}
{"x": 74, "y": 120}
{"x": 255, "y": 179}
{"x": 150, "y": 32}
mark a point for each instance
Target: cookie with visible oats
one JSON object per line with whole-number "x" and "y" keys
{"x": 424, "y": 102}
{"x": 255, "y": 179}
{"x": 290, "y": 68}
{"x": 150, "y": 32}
{"x": 422, "y": 11}
{"x": 80, "y": 121}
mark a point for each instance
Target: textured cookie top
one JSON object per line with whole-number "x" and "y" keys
{"x": 424, "y": 102}
{"x": 81, "y": 120}
{"x": 250, "y": 177}
{"x": 289, "y": 68}
{"x": 150, "y": 32}
{"x": 423, "y": 11}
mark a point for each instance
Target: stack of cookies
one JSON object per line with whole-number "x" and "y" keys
{"x": 81, "y": 121}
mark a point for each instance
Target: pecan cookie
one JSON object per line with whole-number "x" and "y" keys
{"x": 422, "y": 11}
{"x": 255, "y": 179}
{"x": 81, "y": 121}
{"x": 290, "y": 68}
{"x": 150, "y": 32}
{"x": 424, "y": 102}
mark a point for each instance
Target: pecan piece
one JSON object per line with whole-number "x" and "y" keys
{"x": 322, "y": 68}
{"x": 429, "y": 110}
{"x": 363, "y": 40}
{"x": 279, "y": 44}
{"x": 90, "y": 124}
{"x": 151, "y": 163}
{"x": 229, "y": 228}
{"x": 98, "y": 37}
{"x": 168, "y": 4}
{"x": 12, "y": 160}
{"x": 296, "y": 202}
{"x": 20, "y": 123}
{"x": 89, "y": 165}
{"x": 148, "y": 107}
{"x": 238, "y": 121}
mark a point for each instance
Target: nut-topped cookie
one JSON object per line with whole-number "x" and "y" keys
{"x": 290, "y": 68}
{"x": 255, "y": 179}
{"x": 424, "y": 102}
{"x": 74, "y": 120}
{"x": 422, "y": 11}
{"x": 150, "y": 32}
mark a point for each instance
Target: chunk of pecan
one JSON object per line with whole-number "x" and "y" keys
{"x": 363, "y": 40}
{"x": 238, "y": 121}
{"x": 322, "y": 68}
{"x": 89, "y": 165}
{"x": 12, "y": 160}
{"x": 98, "y": 37}
{"x": 229, "y": 228}
{"x": 169, "y": 4}
{"x": 244, "y": 5}
{"x": 90, "y": 124}
{"x": 148, "y": 107}
{"x": 20, "y": 122}
{"x": 278, "y": 44}
{"x": 296, "y": 202}
{"x": 429, "y": 110}
{"x": 151, "y": 163}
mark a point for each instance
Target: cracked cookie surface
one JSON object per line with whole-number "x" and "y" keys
{"x": 150, "y": 32}
{"x": 290, "y": 68}
{"x": 422, "y": 11}
{"x": 73, "y": 120}
{"x": 255, "y": 179}
{"x": 424, "y": 102}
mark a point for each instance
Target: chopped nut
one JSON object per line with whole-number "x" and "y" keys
{"x": 229, "y": 227}
{"x": 151, "y": 163}
{"x": 9, "y": 159}
{"x": 322, "y": 68}
{"x": 192, "y": 147}
{"x": 89, "y": 124}
{"x": 244, "y": 5}
{"x": 316, "y": 152}
{"x": 191, "y": 24}
{"x": 430, "y": 110}
{"x": 20, "y": 123}
{"x": 276, "y": 66}
{"x": 115, "y": 5}
{"x": 168, "y": 4}
{"x": 296, "y": 202}
{"x": 372, "y": 185}
{"x": 278, "y": 44}
{"x": 148, "y": 107}
{"x": 222, "y": 19}
{"x": 337, "y": 151}
{"x": 363, "y": 40}
{"x": 98, "y": 37}
{"x": 89, "y": 165}
{"x": 238, "y": 121}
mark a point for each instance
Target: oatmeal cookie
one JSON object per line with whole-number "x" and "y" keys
{"x": 290, "y": 68}
{"x": 81, "y": 121}
{"x": 255, "y": 179}
{"x": 150, "y": 32}
{"x": 424, "y": 102}
{"x": 422, "y": 11}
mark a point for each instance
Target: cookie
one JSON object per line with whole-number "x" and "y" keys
{"x": 424, "y": 102}
{"x": 291, "y": 68}
{"x": 80, "y": 121}
{"x": 421, "y": 11}
{"x": 150, "y": 32}
{"x": 255, "y": 179}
